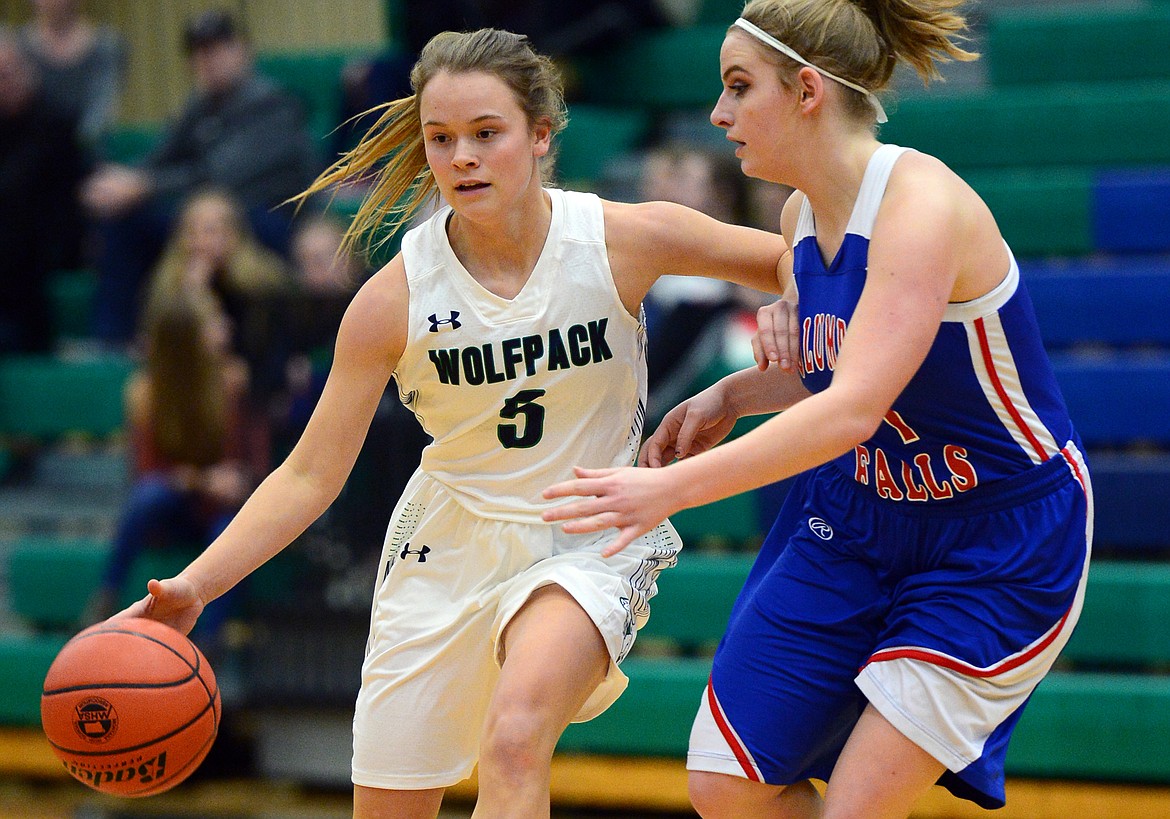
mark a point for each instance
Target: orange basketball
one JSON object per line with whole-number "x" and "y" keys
{"x": 130, "y": 706}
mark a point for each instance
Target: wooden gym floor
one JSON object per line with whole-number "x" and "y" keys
{"x": 33, "y": 786}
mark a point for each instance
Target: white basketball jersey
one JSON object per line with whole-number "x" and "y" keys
{"x": 516, "y": 392}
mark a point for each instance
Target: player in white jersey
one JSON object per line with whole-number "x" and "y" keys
{"x": 930, "y": 561}
{"x": 511, "y": 324}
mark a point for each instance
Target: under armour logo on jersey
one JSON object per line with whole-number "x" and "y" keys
{"x": 452, "y": 323}
{"x": 819, "y": 528}
{"x": 422, "y": 553}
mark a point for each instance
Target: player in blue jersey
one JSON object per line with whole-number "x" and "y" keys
{"x": 930, "y": 562}
{"x": 510, "y": 322}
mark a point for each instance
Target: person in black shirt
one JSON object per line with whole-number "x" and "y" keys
{"x": 41, "y": 167}
{"x": 237, "y": 131}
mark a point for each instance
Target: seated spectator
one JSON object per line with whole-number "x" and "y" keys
{"x": 197, "y": 448}
{"x": 82, "y": 65}
{"x": 213, "y": 248}
{"x": 318, "y": 266}
{"x": 681, "y": 309}
{"x": 41, "y": 169}
{"x": 237, "y": 131}
{"x": 306, "y": 317}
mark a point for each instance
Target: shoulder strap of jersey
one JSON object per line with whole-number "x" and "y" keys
{"x": 873, "y": 188}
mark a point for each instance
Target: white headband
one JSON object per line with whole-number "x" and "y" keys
{"x": 760, "y": 34}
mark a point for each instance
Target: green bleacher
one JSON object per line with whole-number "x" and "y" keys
{"x": 314, "y": 77}
{"x": 1073, "y": 91}
{"x": 1090, "y": 44}
{"x": 660, "y": 70}
{"x": 594, "y": 136}
{"x": 1040, "y": 126}
{"x": 46, "y": 396}
{"x": 71, "y": 295}
{"x": 1041, "y": 212}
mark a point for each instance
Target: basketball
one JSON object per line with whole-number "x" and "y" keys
{"x": 130, "y": 706}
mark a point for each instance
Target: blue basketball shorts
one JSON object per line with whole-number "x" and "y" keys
{"x": 944, "y": 617}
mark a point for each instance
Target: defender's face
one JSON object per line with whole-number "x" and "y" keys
{"x": 751, "y": 108}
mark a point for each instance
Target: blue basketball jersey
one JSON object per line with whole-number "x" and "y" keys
{"x": 934, "y": 572}
{"x": 983, "y": 406}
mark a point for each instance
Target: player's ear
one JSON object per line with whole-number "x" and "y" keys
{"x": 810, "y": 88}
{"x": 542, "y": 137}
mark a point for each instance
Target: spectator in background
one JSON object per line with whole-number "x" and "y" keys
{"x": 307, "y": 316}
{"x": 686, "y": 316}
{"x": 212, "y": 248}
{"x": 305, "y": 319}
{"x": 41, "y": 169}
{"x": 196, "y": 444}
{"x": 319, "y": 265}
{"x": 237, "y": 131}
{"x": 82, "y": 66}
{"x": 561, "y": 30}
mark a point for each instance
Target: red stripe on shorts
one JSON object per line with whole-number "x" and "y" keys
{"x": 737, "y": 748}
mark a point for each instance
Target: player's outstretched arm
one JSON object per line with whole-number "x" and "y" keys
{"x": 694, "y": 426}
{"x": 369, "y": 342}
{"x": 699, "y": 423}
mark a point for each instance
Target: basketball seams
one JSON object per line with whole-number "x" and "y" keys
{"x": 177, "y": 684}
{"x": 180, "y": 774}
{"x": 211, "y": 704}
{"x": 187, "y": 661}
{"x": 213, "y": 696}
{"x": 69, "y": 689}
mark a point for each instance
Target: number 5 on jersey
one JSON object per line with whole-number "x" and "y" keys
{"x": 530, "y": 430}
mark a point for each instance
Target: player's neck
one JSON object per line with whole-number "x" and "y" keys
{"x": 502, "y": 253}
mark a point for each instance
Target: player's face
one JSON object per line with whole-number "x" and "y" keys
{"x": 479, "y": 143}
{"x": 750, "y": 107}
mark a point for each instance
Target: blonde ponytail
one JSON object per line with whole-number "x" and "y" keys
{"x": 862, "y": 41}
{"x": 921, "y": 33}
{"x": 391, "y": 158}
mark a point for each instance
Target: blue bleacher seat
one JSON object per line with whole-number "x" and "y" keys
{"x": 1117, "y": 399}
{"x": 1131, "y": 210}
{"x": 1103, "y": 319}
{"x": 1117, "y": 301}
{"x": 1132, "y": 516}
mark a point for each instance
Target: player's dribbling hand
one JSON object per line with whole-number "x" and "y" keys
{"x": 631, "y": 500}
{"x": 173, "y": 601}
{"x": 777, "y": 338}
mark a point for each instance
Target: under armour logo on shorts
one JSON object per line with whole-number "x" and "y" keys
{"x": 422, "y": 553}
{"x": 451, "y": 323}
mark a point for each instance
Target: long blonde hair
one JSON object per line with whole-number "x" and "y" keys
{"x": 863, "y": 40}
{"x": 251, "y": 268}
{"x": 188, "y": 405}
{"x": 391, "y": 157}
